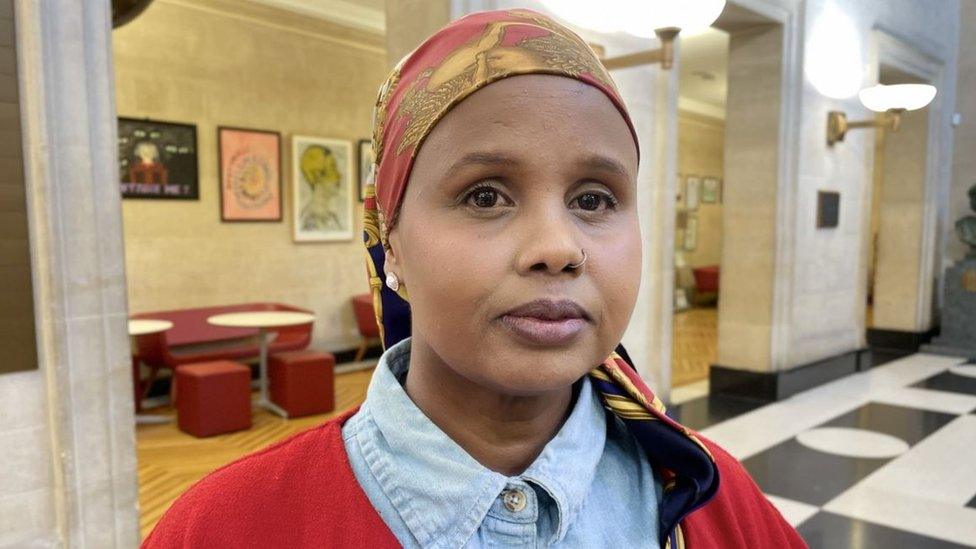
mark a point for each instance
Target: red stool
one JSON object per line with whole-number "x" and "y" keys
{"x": 215, "y": 397}
{"x": 302, "y": 382}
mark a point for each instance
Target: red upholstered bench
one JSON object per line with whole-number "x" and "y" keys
{"x": 192, "y": 339}
{"x": 215, "y": 397}
{"x": 302, "y": 382}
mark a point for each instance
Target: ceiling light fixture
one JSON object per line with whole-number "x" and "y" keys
{"x": 644, "y": 18}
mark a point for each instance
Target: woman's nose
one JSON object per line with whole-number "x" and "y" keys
{"x": 549, "y": 243}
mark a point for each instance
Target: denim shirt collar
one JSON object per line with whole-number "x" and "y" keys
{"x": 440, "y": 491}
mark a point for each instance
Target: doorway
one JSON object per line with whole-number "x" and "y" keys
{"x": 702, "y": 84}
{"x": 730, "y": 279}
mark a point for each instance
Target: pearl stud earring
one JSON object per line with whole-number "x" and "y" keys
{"x": 392, "y": 281}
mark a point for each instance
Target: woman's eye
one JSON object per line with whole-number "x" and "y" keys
{"x": 484, "y": 197}
{"x": 592, "y": 201}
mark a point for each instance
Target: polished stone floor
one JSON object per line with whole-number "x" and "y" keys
{"x": 881, "y": 459}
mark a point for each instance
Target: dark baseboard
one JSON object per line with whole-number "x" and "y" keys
{"x": 866, "y": 359}
{"x": 348, "y": 355}
{"x": 773, "y": 386}
{"x": 898, "y": 340}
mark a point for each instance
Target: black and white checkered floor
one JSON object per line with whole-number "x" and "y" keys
{"x": 881, "y": 459}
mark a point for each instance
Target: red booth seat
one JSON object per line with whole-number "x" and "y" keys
{"x": 193, "y": 339}
{"x": 706, "y": 284}
{"x": 706, "y": 278}
{"x": 362, "y": 306}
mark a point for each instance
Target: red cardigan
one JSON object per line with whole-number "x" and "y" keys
{"x": 302, "y": 492}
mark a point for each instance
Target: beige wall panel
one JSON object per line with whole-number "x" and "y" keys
{"x": 701, "y": 149}
{"x": 409, "y": 22}
{"x": 216, "y": 63}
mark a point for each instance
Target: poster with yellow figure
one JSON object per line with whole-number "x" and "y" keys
{"x": 322, "y": 189}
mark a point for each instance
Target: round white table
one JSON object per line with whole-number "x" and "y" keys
{"x": 265, "y": 322}
{"x": 148, "y": 326}
{"x": 138, "y": 327}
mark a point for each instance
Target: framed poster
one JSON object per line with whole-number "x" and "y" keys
{"x": 711, "y": 190}
{"x": 691, "y": 234}
{"x": 158, "y": 159}
{"x": 365, "y": 164}
{"x": 250, "y": 174}
{"x": 322, "y": 189}
{"x": 692, "y": 191}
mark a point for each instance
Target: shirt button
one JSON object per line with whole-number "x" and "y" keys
{"x": 514, "y": 500}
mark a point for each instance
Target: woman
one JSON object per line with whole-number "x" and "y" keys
{"x": 505, "y": 203}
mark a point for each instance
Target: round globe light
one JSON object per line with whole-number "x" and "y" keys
{"x": 833, "y": 64}
{"x": 638, "y": 17}
{"x": 907, "y": 97}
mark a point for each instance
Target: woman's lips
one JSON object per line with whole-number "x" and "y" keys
{"x": 545, "y": 332}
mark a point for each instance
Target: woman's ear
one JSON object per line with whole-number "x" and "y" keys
{"x": 391, "y": 262}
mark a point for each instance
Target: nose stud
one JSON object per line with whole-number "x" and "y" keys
{"x": 575, "y": 266}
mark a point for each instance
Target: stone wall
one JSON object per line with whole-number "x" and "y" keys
{"x": 67, "y": 436}
{"x": 964, "y": 161}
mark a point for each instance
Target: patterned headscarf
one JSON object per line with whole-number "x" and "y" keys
{"x": 458, "y": 60}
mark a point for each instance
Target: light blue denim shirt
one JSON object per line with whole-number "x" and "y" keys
{"x": 591, "y": 486}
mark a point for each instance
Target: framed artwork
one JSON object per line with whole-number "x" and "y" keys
{"x": 158, "y": 159}
{"x": 681, "y": 219}
{"x": 250, "y": 174}
{"x": 322, "y": 190}
{"x": 365, "y": 164}
{"x": 692, "y": 191}
{"x": 691, "y": 233}
{"x": 711, "y": 190}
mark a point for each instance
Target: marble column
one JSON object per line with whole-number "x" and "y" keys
{"x": 898, "y": 265}
{"x": 752, "y": 147}
{"x": 68, "y": 115}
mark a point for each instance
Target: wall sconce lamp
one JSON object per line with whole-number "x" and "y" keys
{"x": 663, "y": 55}
{"x": 893, "y": 101}
{"x": 647, "y": 19}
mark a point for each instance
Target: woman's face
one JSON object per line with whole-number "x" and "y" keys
{"x": 505, "y": 192}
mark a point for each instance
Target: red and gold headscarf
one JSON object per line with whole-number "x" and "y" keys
{"x": 458, "y": 60}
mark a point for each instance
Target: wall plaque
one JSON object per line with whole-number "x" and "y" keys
{"x": 828, "y": 209}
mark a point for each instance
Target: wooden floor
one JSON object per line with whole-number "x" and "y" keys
{"x": 695, "y": 345}
{"x": 170, "y": 460}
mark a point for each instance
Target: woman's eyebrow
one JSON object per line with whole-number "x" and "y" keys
{"x": 604, "y": 163}
{"x": 485, "y": 159}
{"x": 592, "y": 162}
